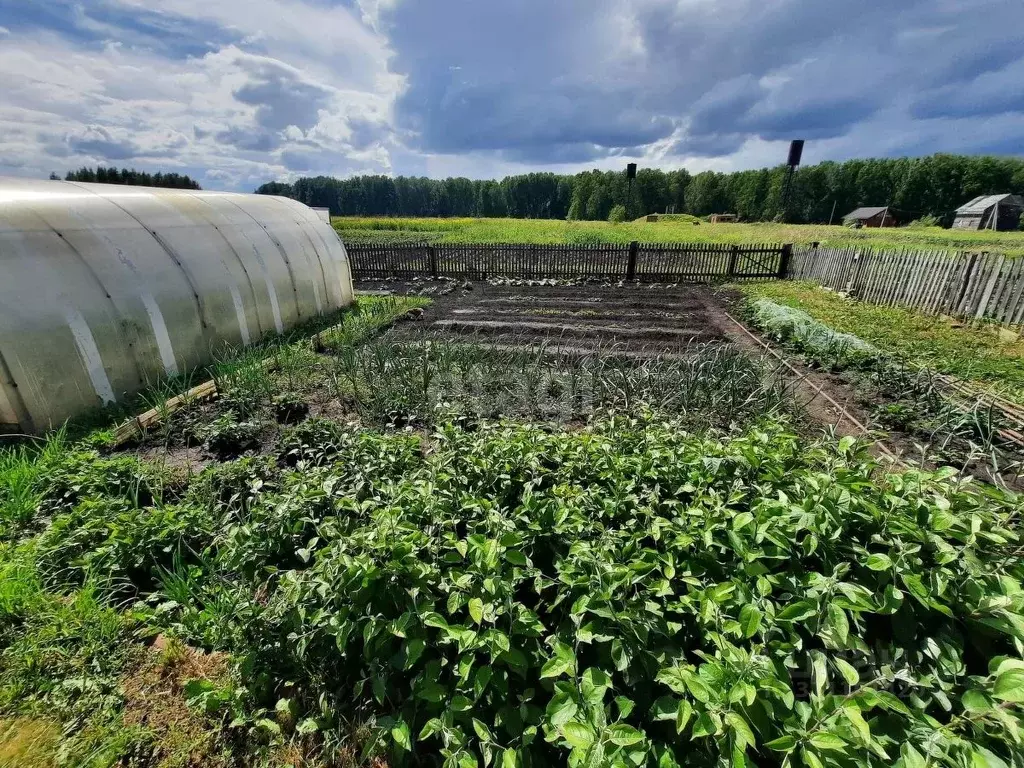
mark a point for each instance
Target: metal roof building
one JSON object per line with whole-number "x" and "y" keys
{"x": 998, "y": 212}
{"x": 872, "y": 217}
{"x": 107, "y": 288}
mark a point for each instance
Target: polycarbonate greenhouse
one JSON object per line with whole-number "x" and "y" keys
{"x": 105, "y": 289}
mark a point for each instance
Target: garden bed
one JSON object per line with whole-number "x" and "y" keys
{"x": 929, "y": 416}
{"x": 411, "y": 546}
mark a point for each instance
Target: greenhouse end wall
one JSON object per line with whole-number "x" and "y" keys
{"x": 106, "y": 289}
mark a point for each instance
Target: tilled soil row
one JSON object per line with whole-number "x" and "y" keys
{"x": 622, "y": 332}
{"x": 643, "y": 305}
{"x": 595, "y": 316}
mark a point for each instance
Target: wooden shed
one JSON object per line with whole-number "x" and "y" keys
{"x": 871, "y": 217}
{"x": 723, "y": 218}
{"x": 999, "y": 212}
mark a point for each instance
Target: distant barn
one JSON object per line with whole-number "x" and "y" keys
{"x": 998, "y": 212}
{"x": 871, "y": 217}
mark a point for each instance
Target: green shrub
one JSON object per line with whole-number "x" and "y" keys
{"x": 925, "y": 222}
{"x": 290, "y": 408}
{"x": 617, "y": 214}
{"x": 581, "y": 236}
{"x": 66, "y": 653}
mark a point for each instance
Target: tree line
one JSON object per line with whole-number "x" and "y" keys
{"x": 913, "y": 187}
{"x": 103, "y": 175}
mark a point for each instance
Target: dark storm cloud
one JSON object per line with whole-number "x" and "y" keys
{"x": 366, "y": 133}
{"x": 503, "y": 76}
{"x": 825, "y": 119}
{"x": 993, "y": 93}
{"x": 579, "y": 79}
{"x": 724, "y": 105}
{"x": 965, "y": 62}
{"x": 955, "y": 103}
{"x": 558, "y": 153}
{"x": 708, "y": 145}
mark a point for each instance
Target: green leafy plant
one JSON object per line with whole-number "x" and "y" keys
{"x": 290, "y": 408}
{"x": 227, "y": 437}
{"x": 971, "y": 352}
{"x": 956, "y": 429}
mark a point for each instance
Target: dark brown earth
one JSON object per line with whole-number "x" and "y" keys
{"x": 587, "y": 317}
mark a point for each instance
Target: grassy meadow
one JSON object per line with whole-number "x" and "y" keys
{"x": 677, "y": 229}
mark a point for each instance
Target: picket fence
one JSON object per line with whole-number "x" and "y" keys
{"x": 674, "y": 262}
{"x": 973, "y": 286}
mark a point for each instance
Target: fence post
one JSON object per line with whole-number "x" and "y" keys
{"x": 432, "y": 258}
{"x": 634, "y": 247}
{"x": 851, "y": 275}
{"x": 734, "y": 254}
{"x": 785, "y": 260}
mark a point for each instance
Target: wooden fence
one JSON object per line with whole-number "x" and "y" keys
{"x": 682, "y": 262}
{"x": 975, "y": 286}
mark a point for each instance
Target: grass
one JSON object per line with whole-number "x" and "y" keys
{"x": 975, "y": 353}
{"x": 440, "y": 553}
{"x": 542, "y": 231}
{"x": 28, "y": 742}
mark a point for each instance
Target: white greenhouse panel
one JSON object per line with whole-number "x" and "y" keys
{"x": 105, "y": 288}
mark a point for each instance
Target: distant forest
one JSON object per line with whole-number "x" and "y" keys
{"x": 125, "y": 176}
{"x": 915, "y": 187}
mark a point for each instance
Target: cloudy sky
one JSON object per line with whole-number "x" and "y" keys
{"x": 238, "y": 92}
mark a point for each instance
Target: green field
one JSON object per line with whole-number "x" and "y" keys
{"x": 677, "y": 230}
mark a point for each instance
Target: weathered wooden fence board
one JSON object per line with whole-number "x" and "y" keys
{"x": 986, "y": 286}
{"x": 646, "y": 262}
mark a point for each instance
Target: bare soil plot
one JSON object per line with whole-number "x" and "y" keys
{"x": 588, "y": 317}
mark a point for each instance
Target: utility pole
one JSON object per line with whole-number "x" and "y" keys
{"x": 630, "y": 176}
{"x": 830, "y": 218}
{"x": 796, "y": 150}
